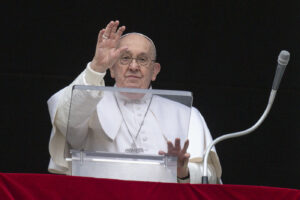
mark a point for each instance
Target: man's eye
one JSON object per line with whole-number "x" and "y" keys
{"x": 126, "y": 58}
{"x": 143, "y": 59}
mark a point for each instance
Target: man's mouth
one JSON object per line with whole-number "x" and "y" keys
{"x": 132, "y": 76}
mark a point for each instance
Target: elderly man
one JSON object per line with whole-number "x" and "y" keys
{"x": 131, "y": 59}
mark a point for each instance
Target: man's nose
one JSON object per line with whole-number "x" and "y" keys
{"x": 134, "y": 65}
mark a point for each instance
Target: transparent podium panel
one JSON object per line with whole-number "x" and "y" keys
{"x": 122, "y": 133}
{"x": 124, "y": 166}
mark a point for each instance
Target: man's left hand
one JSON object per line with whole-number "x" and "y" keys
{"x": 181, "y": 154}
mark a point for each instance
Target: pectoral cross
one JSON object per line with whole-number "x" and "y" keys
{"x": 134, "y": 149}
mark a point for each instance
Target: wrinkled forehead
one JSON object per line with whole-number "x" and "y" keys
{"x": 136, "y": 43}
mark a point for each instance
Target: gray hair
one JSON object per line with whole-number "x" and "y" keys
{"x": 151, "y": 42}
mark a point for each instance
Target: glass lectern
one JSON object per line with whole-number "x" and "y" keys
{"x": 118, "y": 132}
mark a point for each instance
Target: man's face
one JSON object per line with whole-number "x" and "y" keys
{"x": 133, "y": 75}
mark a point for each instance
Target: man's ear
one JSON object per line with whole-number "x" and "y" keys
{"x": 156, "y": 70}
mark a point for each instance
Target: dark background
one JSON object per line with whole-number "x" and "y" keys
{"x": 225, "y": 52}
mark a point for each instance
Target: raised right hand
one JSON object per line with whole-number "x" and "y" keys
{"x": 107, "y": 50}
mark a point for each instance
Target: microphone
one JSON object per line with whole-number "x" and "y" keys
{"x": 283, "y": 60}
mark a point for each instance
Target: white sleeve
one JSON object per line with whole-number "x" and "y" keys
{"x": 196, "y": 172}
{"x": 59, "y": 105}
{"x": 200, "y": 138}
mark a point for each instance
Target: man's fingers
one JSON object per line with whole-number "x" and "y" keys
{"x": 118, "y": 53}
{"x": 162, "y": 152}
{"x": 120, "y": 32}
{"x": 108, "y": 29}
{"x": 114, "y": 27}
{"x": 187, "y": 155}
{"x": 176, "y": 148}
{"x": 121, "y": 50}
{"x": 177, "y": 144}
{"x": 184, "y": 156}
{"x": 170, "y": 147}
{"x": 186, "y": 145}
{"x": 112, "y": 31}
{"x": 100, "y": 35}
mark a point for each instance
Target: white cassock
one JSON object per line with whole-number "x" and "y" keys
{"x": 111, "y": 123}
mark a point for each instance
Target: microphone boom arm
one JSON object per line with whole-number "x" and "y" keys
{"x": 283, "y": 60}
{"x": 237, "y": 134}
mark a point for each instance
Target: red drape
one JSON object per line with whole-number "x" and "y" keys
{"x": 48, "y": 186}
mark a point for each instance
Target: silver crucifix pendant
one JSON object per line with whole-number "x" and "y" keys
{"x": 134, "y": 149}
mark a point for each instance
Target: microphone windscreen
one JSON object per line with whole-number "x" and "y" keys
{"x": 284, "y": 57}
